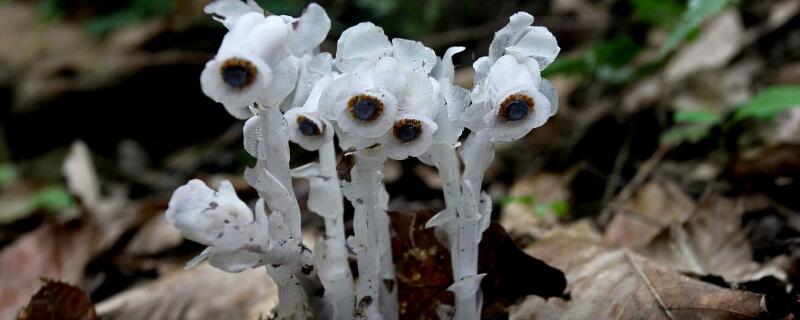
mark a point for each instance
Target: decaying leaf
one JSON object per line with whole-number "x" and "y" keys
{"x": 58, "y": 300}
{"x": 609, "y": 283}
{"x": 711, "y": 242}
{"x": 53, "y": 252}
{"x": 653, "y": 208}
{"x": 423, "y": 270}
{"x": 200, "y": 293}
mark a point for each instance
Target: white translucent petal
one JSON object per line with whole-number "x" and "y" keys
{"x": 375, "y": 128}
{"x": 514, "y": 130}
{"x": 203, "y": 215}
{"x": 335, "y": 96}
{"x": 241, "y": 29}
{"x": 265, "y": 39}
{"x": 251, "y": 135}
{"x": 507, "y": 74}
{"x": 236, "y": 262}
{"x": 235, "y": 100}
{"x": 228, "y": 12}
{"x": 285, "y": 75}
{"x": 482, "y": 67}
{"x": 549, "y": 90}
{"x": 364, "y": 42}
{"x": 516, "y": 28}
{"x": 539, "y": 44}
{"x": 444, "y": 68}
{"x": 310, "y": 30}
{"x": 399, "y": 150}
{"x": 310, "y": 143}
{"x": 413, "y": 55}
{"x": 467, "y": 286}
{"x": 420, "y": 95}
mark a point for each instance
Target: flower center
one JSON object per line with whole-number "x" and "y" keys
{"x": 308, "y": 127}
{"x": 407, "y": 130}
{"x": 238, "y": 73}
{"x": 365, "y": 108}
{"x": 515, "y": 107}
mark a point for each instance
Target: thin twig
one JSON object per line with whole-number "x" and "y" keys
{"x": 649, "y": 285}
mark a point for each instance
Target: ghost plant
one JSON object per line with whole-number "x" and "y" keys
{"x": 383, "y": 100}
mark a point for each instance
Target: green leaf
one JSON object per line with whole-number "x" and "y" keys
{"x": 697, "y": 116}
{"x": 662, "y": 13}
{"x": 697, "y": 13}
{"x": 769, "y": 103}
{"x": 681, "y": 134}
{"x": 8, "y": 175}
{"x": 53, "y": 199}
{"x": 606, "y": 61}
{"x": 560, "y": 208}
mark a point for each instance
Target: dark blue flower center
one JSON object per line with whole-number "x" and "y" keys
{"x": 308, "y": 127}
{"x": 516, "y": 107}
{"x": 238, "y": 73}
{"x": 365, "y": 108}
{"x": 407, "y": 130}
{"x": 517, "y": 110}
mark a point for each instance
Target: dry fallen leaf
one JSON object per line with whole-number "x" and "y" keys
{"x": 423, "y": 270}
{"x": 711, "y": 242}
{"x": 58, "y": 300}
{"x": 200, "y": 293}
{"x": 653, "y": 208}
{"x": 609, "y": 283}
{"x": 520, "y": 218}
{"x": 719, "y": 42}
{"x": 53, "y": 252}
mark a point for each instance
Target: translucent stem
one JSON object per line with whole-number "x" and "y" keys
{"x": 366, "y": 181}
{"x": 334, "y": 267}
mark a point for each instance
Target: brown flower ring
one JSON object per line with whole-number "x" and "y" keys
{"x": 238, "y": 73}
{"x": 308, "y": 127}
{"x": 407, "y": 130}
{"x": 515, "y": 107}
{"x": 365, "y": 108}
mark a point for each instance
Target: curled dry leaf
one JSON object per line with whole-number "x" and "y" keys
{"x": 200, "y": 293}
{"x": 53, "y": 252}
{"x": 423, "y": 269}
{"x": 711, "y": 242}
{"x": 58, "y": 300}
{"x": 653, "y": 208}
{"x": 610, "y": 283}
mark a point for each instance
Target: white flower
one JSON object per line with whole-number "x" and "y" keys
{"x": 516, "y": 101}
{"x": 364, "y": 103}
{"x": 523, "y": 40}
{"x": 229, "y": 11}
{"x": 246, "y": 64}
{"x": 306, "y": 126}
{"x": 510, "y": 98}
{"x": 364, "y": 42}
{"x": 414, "y": 128}
{"x": 218, "y": 219}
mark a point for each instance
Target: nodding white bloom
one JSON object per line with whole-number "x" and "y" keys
{"x": 414, "y": 128}
{"x": 205, "y": 216}
{"x": 364, "y": 103}
{"x": 520, "y": 39}
{"x": 256, "y": 60}
{"x": 510, "y": 97}
{"x": 306, "y": 126}
{"x": 243, "y": 70}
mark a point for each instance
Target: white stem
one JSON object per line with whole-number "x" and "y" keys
{"x": 389, "y": 304}
{"x": 294, "y": 280}
{"x": 273, "y": 155}
{"x": 461, "y": 231}
{"x": 333, "y": 252}
{"x": 366, "y": 180}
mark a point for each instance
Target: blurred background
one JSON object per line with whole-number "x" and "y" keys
{"x": 665, "y": 106}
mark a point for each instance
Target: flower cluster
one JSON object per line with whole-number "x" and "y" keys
{"x": 383, "y": 99}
